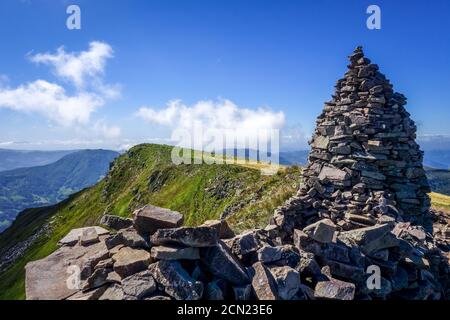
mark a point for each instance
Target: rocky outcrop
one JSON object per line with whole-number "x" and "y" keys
{"x": 359, "y": 227}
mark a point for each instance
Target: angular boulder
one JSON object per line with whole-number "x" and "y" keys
{"x": 186, "y": 236}
{"x": 149, "y": 219}
{"x": 321, "y": 231}
{"x": 334, "y": 289}
{"x": 116, "y": 222}
{"x": 223, "y": 229}
{"x": 287, "y": 280}
{"x": 139, "y": 285}
{"x": 176, "y": 281}
{"x": 127, "y": 237}
{"x": 221, "y": 263}
{"x": 129, "y": 261}
{"x": 263, "y": 282}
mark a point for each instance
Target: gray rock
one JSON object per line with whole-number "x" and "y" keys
{"x": 176, "y": 281}
{"x": 186, "y": 236}
{"x": 129, "y": 238}
{"x": 97, "y": 279}
{"x": 139, "y": 285}
{"x": 263, "y": 282}
{"x": 175, "y": 253}
{"x": 149, "y": 219}
{"x": 48, "y": 278}
{"x": 223, "y": 229}
{"x": 74, "y": 235}
{"x": 88, "y": 237}
{"x": 287, "y": 281}
{"x": 116, "y": 222}
{"x": 333, "y": 174}
{"x": 129, "y": 261}
{"x": 93, "y": 294}
{"x": 113, "y": 292}
{"x": 321, "y": 231}
{"x": 245, "y": 243}
{"x": 268, "y": 254}
{"x": 220, "y": 262}
{"x": 334, "y": 289}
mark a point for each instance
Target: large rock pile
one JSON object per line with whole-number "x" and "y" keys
{"x": 359, "y": 228}
{"x": 364, "y": 163}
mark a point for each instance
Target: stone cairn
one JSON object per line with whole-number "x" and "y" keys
{"x": 359, "y": 228}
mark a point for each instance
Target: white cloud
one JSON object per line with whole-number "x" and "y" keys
{"x": 78, "y": 68}
{"x": 109, "y": 132}
{"x": 51, "y": 100}
{"x": 220, "y": 115}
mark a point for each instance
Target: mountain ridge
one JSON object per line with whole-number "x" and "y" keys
{"x": 44, "y": 185}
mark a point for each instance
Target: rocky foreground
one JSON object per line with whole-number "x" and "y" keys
{"x": 153, "y": 258}
{"x": 360, "y": 226}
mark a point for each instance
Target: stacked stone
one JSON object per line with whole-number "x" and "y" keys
{"x": 364, "y": 163}
{"x": 365, "y": 184}
{"x": 360, "y": 213}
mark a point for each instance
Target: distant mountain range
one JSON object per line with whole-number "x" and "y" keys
{"x": 13, "y": 159}
{"x": 45, "y": 185}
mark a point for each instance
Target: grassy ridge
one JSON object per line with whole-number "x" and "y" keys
{"x": 146, "y": 175}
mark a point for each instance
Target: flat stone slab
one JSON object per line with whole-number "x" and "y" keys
{"x": 75, "y": 234}
{"x": 129, "y": 261}
{"x": 55, "y": 277}
{"x": 149, "y": 219}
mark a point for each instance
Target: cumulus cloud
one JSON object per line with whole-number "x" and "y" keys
{"x": 79, "y": 68}
{"x": 215, "y": 126}
{"x": 220, "y": 115}
{"x": 51, "y": 100}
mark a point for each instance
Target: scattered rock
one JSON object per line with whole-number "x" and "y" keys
{"x": 220, "y": 262}
{"x": 116, "y": 222}
{"x": 223, "y": 229}
{"x": 129, "y": 261}
{"x": 321, "y": 231}
{"x": 287, "y": 280}
{"x": 149, "y": 219}
{"x": 186, "y": 236}
{"x": 263, "y": 282}
{"x": 334, "y": 289}
{"x": 139, "y": 285}
{"x": 74, "y": 235}
{"x": 176, "y": 281}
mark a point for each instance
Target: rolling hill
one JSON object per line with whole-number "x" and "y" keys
{"x": 145, "y": 175}
{"x": 45, "y": 185}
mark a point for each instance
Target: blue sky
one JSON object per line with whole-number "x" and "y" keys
{"x": 282, "y": 56}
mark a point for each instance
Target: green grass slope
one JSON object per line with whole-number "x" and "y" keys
{"x": 146, "y": 175}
